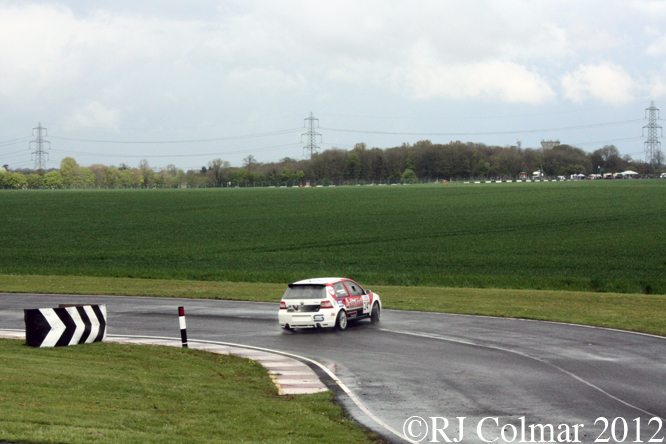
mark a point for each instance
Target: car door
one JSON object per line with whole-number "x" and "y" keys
{"x": 356, "y": 304}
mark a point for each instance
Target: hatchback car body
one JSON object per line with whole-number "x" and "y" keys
{"x": 327, "y": 302}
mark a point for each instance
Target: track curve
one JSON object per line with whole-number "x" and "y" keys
{"x": 431, "y": 365}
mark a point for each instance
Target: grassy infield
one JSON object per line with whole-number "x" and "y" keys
{"x": 114, "y": 393}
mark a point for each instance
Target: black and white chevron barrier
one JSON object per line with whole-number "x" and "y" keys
{"x": 57, "y": 327}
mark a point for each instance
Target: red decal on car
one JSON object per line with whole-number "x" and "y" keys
{"x": 355, "y": 302}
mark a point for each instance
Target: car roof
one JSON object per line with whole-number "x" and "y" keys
{"x": 320, "y": 281}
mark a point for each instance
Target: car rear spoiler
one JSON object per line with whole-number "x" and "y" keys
{"x": 306, "y": 285}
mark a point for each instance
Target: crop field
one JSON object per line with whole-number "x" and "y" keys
{"x": 589, "y": 236}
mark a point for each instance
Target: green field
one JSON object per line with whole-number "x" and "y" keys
{"x": 590, "y": 236}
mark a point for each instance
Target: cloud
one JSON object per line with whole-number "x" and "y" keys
{"x": 657, "y": 87}
{"x": 657, "y": 47}
{"x": 426, "y": 50}
{"x": 44, "y": 46}
{"x": 31, "y": 50}
{"x": 94, "y": 115}
{"x": 651, "y": 8}
{"x": 494, "y": 80}
{"x": 606, "y": 82}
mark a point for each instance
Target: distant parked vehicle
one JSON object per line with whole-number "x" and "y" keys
{"x": 663, "y": 176}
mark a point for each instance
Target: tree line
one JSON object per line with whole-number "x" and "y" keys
{"x": 422, "y": 160}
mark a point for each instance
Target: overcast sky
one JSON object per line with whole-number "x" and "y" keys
{"x": 225, "y": 79}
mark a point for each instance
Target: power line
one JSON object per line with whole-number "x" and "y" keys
{"x": 473, "y": 117}
{"x": 215, "y": 139}
{"x": 606, "y": 141}
{"x": 14, "y": 141}
{"x": 179, "y": 128}
{"x": 13, "y": 152}
{"x": 489, "y": 133}
{"x": 269, "y": 148}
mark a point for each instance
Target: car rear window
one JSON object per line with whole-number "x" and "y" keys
{"x": 305, "y": 292}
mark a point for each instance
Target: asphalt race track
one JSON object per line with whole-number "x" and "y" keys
{"x": 506, "y": 377}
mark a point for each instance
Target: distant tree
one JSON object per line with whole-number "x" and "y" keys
{"x": 239, "y": 175}
{"x": 53, "y": 180}
{"x": 286, "y": 175}
{"x": 193, "y": 178}
{"x": 483, "y": 168}
{"x": 68, "y": 169}
{"x": 564, "y": 160}
{"x": 75, "y": 176}
{"x": 130, "y": 178}
{"x": 375, "y": 167}
{"x": 354, "y": 165}
{"x": 83, "y": 178}
{"x": 330, "y": 164}
{"x": 218, "y": 170}
{"x": 113, "y": 177}
{"x": 34, "y": 180}
{"x": 15, "y": 180}
{"x": 409, "y": 175}
{"x": 181, "y": 178}
{"x": 100, "y": 173}
{"x": 168, "y": 176}
{"x": 250, "y": 162}
{"x": 608, "y": 159}
{"x": 147, "y": 173}
{"x": 409, "y": 162}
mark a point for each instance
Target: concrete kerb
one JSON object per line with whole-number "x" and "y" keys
{"x": 291, "y": 376}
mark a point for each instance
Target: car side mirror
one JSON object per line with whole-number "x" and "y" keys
{"x": 367, "y": 291}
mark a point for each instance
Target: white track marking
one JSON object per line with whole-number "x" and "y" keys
{"x": 535, "y": 358}
{"x": 340, "y": 384}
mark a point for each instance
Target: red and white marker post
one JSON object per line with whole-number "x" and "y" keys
{"x": 183, "y": 327}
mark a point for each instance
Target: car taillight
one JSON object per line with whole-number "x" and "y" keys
{"x": 326, "y": 304}
{"x": 283, "y": 306}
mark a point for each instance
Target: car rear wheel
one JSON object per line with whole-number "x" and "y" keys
{"x": 341, "y": 320}
{"x": 374, "y": 315}
{"x": 288, "y": 328}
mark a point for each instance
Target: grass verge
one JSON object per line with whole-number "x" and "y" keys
{"x": 114, "y": 393}
{"x": 637, "y": 312}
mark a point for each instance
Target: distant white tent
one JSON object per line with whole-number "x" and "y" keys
{"x": 629, "y": 173}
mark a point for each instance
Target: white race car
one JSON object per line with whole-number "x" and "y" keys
{"x": 327, "y": 302}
